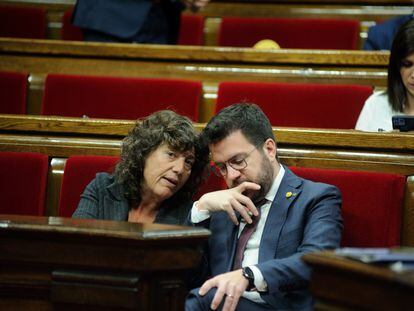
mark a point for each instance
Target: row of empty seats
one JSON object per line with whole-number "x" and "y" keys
{"x": 372, "y": 202}
{"x": 300, "y": 105}
{"x": 340, "y": 34}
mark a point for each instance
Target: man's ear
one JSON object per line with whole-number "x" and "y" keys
{"x": 270, "y": 149}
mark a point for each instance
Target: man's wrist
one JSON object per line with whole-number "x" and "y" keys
{"x": 249, "y": 276}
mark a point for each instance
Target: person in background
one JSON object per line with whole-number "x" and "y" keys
{"x": 160, "y": 169}
{"x": 263, "y": 224}
{"x": 376, "y": 115}
{"x": 139, "y": 21}
{"x": 381, "y": 35}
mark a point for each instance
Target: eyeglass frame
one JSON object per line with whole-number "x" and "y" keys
{"x": 218, "y": 171}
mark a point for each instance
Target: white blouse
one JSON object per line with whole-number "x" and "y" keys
{"x": 376, "y": 115}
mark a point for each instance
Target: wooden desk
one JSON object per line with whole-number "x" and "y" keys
{"x": 344, "y": 284}
{"x": 61, "y": 263}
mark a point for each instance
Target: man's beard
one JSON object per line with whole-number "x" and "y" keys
{"x": 265, "y": 180}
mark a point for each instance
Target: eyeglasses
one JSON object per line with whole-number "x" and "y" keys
{"x": 238, "y": 162}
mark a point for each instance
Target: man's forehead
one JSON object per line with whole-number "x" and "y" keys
{"x": 230, "y": 146}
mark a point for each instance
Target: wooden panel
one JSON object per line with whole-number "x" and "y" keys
{"x": 68, "y": 264}
{"x": 207, "y": 64}
{"x": 344, "y": 284}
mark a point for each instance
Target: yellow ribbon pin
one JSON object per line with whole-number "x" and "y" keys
{"x": 289, "y": 194}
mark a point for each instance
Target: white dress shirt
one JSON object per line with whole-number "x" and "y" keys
{"x": 251, "y": 253}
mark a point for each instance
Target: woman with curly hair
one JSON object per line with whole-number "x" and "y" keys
{"x": 398, "y": 99}
{"x": 159, "y": 171}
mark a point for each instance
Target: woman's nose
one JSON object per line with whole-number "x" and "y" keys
{"x": 178, "y": 166}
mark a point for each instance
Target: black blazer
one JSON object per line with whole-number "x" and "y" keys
{"x": 103, "y": 199}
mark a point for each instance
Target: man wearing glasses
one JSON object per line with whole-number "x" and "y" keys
{"x": 262, "y": 224}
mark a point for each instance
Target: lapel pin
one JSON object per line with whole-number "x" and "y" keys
{"x": 289, "y": 194}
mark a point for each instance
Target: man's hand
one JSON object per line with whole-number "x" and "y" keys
{"x": 231, "y": 200}
{"x": 231, "y": 285}
{"x": 195, "y": 5}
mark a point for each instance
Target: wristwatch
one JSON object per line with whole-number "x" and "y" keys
{"x": 249, "y": 275}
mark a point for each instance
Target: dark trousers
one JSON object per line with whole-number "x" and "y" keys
{"x": 157, "y": 29}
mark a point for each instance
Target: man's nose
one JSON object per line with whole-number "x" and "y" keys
{"x": 232, "y": 174}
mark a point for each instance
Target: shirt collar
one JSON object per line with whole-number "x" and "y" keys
{"x": 275, "y": 185}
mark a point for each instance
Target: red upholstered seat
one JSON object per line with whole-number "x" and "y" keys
{"x": 23, "y": 183}
{"x": 372, "y": 204}
{"x": 70, "y": 31}
{"x": 212, "y": 183}
{"x": 191, "y": 30}
{"x": 79, "y": 172}
{"x": 290, "y": 33}
{"x": 118, "y": 98}
{"x": 22, "y": 22}
{"x": 299, "y": 105}
{"x": 13, "y": 89}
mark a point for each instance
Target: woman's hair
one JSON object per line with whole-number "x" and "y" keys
{"x": 160, "y": 127}
{"x": 402, "y": 47}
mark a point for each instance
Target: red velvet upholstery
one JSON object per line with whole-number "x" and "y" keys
{"x": 79, "y": 172}
{"x": 299, "y": 105}
{"x": 118, "y": 98}
{"x": 22, "y": 22}
{"x": 23, "y": 183}
{"x": 372, "y": 204}
{"x": 191, "y": 30}
{"x": 290, "y": 33}
{"x": 70, "y": 31}
{"x": 212, "y": 183}
{"x": 13, "y": 89}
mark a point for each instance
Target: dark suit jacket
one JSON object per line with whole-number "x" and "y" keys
{"x": 125, "y": 19}
{"x": 380, "y": 36}
{"x": 103, "y": 199}
{"x": 308, "y": 220}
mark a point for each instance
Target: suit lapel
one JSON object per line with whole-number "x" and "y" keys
{"x": 289, "y": 190}
{"x": 116, "y": 206}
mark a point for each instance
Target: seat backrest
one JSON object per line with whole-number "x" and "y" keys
{"x": 70, "y": 31}
{"x": 118, "y": 98}
{"x": 211, "y": 183}
{"x": 22, "y": 22}
{"x": 23, "y": 183}
{"x": 371, "y": 204}
{"x": 299, "y": 105}
{"x": 78, "y": 173}
{"x": 191, "y": 30}
{"x": 290, "y": 33}
{"x": 13, "y": 90}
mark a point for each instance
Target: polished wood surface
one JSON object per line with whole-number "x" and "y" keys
{"x": 343, "y": 284}
{"x": 61, "y": 263}
{"x": 61, "y": 137}
{"x": 210, "y": 65}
